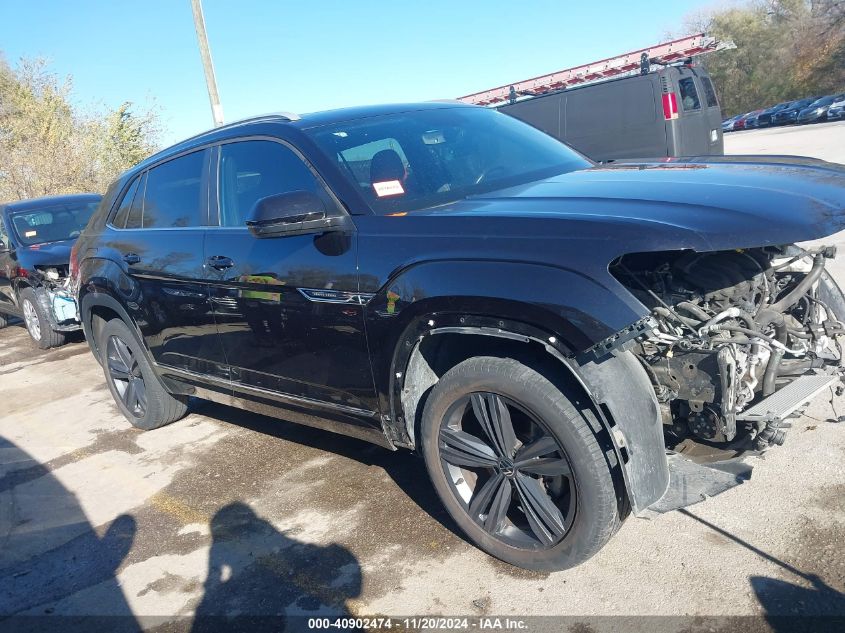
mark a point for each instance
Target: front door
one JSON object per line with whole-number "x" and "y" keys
{"x": 287, "y": 308}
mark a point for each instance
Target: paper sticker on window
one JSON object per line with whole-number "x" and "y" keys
{"x": 30, "y": 234}
{"x": 388, "y": 188}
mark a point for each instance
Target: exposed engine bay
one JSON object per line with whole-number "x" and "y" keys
{"x": 733, "y": 328}
{"x": 54, "y": 293}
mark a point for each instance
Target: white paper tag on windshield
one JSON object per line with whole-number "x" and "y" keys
{"x": 388, "y": 188}
{"x": 30, "y": 234}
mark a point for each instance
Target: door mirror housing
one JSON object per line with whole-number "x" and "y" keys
{"x": 293, "y": 213}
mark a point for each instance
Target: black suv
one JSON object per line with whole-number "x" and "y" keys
{"x": 553, "y": 336}
{"x": 36, "y": 237}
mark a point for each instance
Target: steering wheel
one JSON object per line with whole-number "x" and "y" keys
{"x": 484, "y": 175}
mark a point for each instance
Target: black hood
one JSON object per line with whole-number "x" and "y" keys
{"x": 708, "y": 203}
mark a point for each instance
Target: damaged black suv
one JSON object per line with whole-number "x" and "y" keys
{"x": 565, "y": 343}
{"x": 36, "y": 237}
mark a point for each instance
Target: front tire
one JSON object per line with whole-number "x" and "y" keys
{"x": 517, "y": 466}
{"x": 37, "y": 323}
{"x": 137, "y": 391}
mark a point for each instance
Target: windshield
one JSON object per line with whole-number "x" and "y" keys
{"x": 822, "y": 102}
{"x": 52, "y": 224}
{"x": 426, "y": 158}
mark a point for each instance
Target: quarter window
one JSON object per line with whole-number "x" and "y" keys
{"x": 173, "y": 195}
{"x": 125, "y": 204}
{"x": 252, "y": 170}
{"x": 4, "y": 238}
{"x": 709, "y": 92}
{"x": 689, "y": 95}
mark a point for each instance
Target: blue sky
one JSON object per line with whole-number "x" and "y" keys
{"x": 306, "y": 56}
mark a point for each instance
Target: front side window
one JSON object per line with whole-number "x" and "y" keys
{"x": 252, "y": 170}
{"x": 53, "y": 223}
{"x": 709, "y": 92}
{"x": 421, "y": 159}
{"x": 689, "y": 95}
{"x": 173, "y": 196}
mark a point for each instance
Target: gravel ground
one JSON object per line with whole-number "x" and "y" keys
{"x": 230, "y": 512}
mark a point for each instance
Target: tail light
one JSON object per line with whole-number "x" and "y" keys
{"x": 670, "y": 106}
{"x": 73, "y": 264}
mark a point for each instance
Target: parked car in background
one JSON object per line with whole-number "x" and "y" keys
{"x": 36, "y": 237}
{"x": 789, "y": 114}
{"x": 444, "y": 278}
{"x": 751, "y": 120}
{"x": 817, "y": 110}
{"x": 836, "y": 111}
{"x": 728, "y": 124}
{"x": 764, "y": 119}
{"x": 742, "y": 121}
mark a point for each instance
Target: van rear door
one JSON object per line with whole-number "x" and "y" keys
{"x": 713, "y": 112}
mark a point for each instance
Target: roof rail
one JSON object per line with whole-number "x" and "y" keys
{"x": 628, "y": 63}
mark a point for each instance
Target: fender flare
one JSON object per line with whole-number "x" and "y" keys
{"x": 615, "y": 383}
{"x": 94, "y": 299}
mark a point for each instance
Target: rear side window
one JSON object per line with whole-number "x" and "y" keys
{"x": 709, "y": 92}
{"x": 689, "y": 95}
{"x": 173, "y": 196}
{"x": 125, "y": 204}
{"x": 252, "y": 170}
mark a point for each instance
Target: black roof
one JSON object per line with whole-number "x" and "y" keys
{"x": 48, "y": 201}
{"x": 302, "y": 122}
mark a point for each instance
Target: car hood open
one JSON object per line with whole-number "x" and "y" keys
{"x": 707, "y": 203}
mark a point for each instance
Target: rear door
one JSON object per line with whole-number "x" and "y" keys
{"x": 692, "y": 127}
{"x": 288, "y": 310}
{"x": 712, "y": 111}
{"x": 157, "y": 233}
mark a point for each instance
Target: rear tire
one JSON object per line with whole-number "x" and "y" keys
{"x": 137, "y": 391}
{"x": 37, "y": 323}
{"x": 539, "y": 493}
{"x": 4, "y": 320}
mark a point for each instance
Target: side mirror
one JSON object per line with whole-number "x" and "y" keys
{"x": 292, "y": 213}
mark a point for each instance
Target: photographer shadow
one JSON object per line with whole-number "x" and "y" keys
{"x": 260, "y": 579}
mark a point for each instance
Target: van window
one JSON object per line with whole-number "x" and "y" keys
{"x": 252, "y": 170}
{"x": 123, "y": 210}
{"x": 709, "y": 92}
{"x": 689, "y": 95}
{"x": 173, "y": 193}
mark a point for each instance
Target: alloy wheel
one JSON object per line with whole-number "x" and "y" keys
{"x": 125, "y": 374}
{"x": 30, "y": 317}
{"x": 508, "y": 471}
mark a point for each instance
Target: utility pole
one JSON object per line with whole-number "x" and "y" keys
{"x": 207, "y": 64}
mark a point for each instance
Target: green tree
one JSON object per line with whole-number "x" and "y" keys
{"x": 786, "y": 49}
{"x": 49, "y": 145}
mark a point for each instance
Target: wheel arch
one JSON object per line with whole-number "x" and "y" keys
{"x": 95, "y": 309}
{"x": 614, "y": 393}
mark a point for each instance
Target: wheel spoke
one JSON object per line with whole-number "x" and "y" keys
{"x": 462, "y": 449}
{"x": 129, "y": 397}
{"x": 123, "y": 353}
{"x": 499, "y": 508}
{"x": 117, "y": 370}
{"x": 489, "y": 504}
{"x": 547, "y": 466}
{"x": 543, "y": 515}
{"x": 537, "y": 448}
{"x": 495, "y": 419}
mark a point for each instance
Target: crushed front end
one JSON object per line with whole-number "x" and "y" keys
{"x": 737, "y": 344}
{"x": 54, "y": 293}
